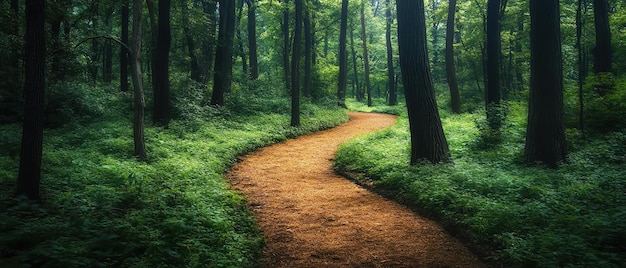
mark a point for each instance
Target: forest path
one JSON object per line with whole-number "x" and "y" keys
{"x": 312, "y": 217}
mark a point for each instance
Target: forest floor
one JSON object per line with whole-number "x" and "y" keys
{"x": 312, "y": 217}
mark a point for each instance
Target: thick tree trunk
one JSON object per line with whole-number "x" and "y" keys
{"x": 223, "y": 73}
{"x": 123, "y": 51}
{"x": 252, "y": 46}
{"x": 295, "y": 67}
{"x": 286, "y": 45}
{"x": 29, "y": 175}
{"x": 366, "y": 60}
{"x": 343, "y": 56}
{"x": 492, "y": 97}
{"x": 545, "y": 135}
{"x": 191, "y": 45}
{"x": 137, "y": 77}
{"x": 308, "y": 53}
{"x": 602, "y": 52}
{"x": 455, "y": 99}
{"x": 391, "y": 74}
{"x": 427, "y": 138}
{"x": 161, "y": 84}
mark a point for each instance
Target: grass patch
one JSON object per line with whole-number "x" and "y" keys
{"x": 104, "y": 209}
{"x": 522, "y": 216}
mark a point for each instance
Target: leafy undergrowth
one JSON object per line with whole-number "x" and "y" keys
{"x": 522, "y": 216}
{"x": 102, "y": 208}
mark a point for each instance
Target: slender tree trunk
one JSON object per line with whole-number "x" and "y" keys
{"x": 161, "y": 86}
{"x": 366, "y": 60}
{"x": 492, "y": 98}
{"x": 391, "y": 74}
{"x": 427, "y": 138}
{"x": 357, "y": 88}
{"x": 455, "y": 99}
{"x": 602, "y": 52}
{"x": 29, "y": 176}
{"x": 137, "y": 77}
{"x": 224, "y": 53}
{"x": 343, "y": 56}
{"x": 107, "y": 67}
{"x": 295, "y": 67}
{"x": 95, "y": 45}
{"x": 123, "y": 51}
{"x": 252, "y": 46}
{"x": 308, "y": 53}
{"x": 582, "y": 65}
{"x": 208, "y": 45}
{"x": 191, "y": 45}
{"x": 545, "y": 135}
{"x": 286, "y": 44}
{"x": 242, "y": 53}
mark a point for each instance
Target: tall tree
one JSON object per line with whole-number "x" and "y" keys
{"x": 343, "y": 56}
{"x": 123, "y": 50}
{"x": 208, "y": 45}
{"x": 582, "y": 64}
{"x": 356, "y": 86}
{"x": 161, "y": 86}
{"x": 240, "y": 48}
{"x": 308, "y": 52}
{"x": 29, "y": 175}
{"x": 602, "y": 52}
{"x": 455, "y": 99}
{"x": 492, "y": 98}
{"x": 427, "y": 138}
{"x": 545, "y": 135}
{"x": 391, "y": 74}
{"x": 137, "y": 77}
{"x": 107, "y": 64}
{"x": 223, "y": 73}
{"x": 191, "y": 44}
{"x": 252, "y": 46}
{"x": 366, "y": 60}
{"x": 295, "y": 67}
{"x": 286, "y": 43}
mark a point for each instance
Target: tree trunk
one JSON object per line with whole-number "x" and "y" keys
{"x": 427, "y": 138}
{"x": 286, "y": 43}
{"x": 29, "y": 175}
{"x": 308, "y": 53}
{"x": 602, "y": 52}
{"x": 391, "y": 75}
{"x": 582, "y": 65}
{"x": 161, "y": 85}
{"x": 295, "y": 67}
{"x": 492, "y": 98}
{"x": 252, "y": 46}
{"x": 545, "y": 135}
{"x": 366, "y": 60}
{"x": 356, "y": 85}
{"x": 123, "y": 51}
{"x": 107, "y": 66}
{"x": 343, "y": 56}
{"x": 455, "y": 99}
{"x": 223, "y": 73}
{"x": 137, "y": 77}
{"x": 191, "y": 45}
{"x": 95, "y": 45}
{"x": 208, "y": 46}
{"x": 242, "y": 53}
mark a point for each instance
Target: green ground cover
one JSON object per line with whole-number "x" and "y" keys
{"x": 102, "y": 208}
{"x": 521, "y": 216}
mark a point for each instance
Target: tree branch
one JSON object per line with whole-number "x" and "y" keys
{"x": 108, "y": 37}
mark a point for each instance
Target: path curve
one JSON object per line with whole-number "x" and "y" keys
{"x": 312, "y": 217}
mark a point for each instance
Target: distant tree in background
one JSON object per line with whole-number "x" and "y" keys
{"x": 137, "y": 77}
{"x": 602, "y": 51}
{"x": 295, "y": 66}
{"x": 545, "y": 135}
{"x": 161, "y": 82}
{"x": 492, "y": 97}
{"x": 223, "y": 73}
{"x": 366, "y": 60}
{"x": 252, "y": 40}
{"x": 123, "y": 50}
{"x": 343, "y": 55}
{"x": 453, "y": 84}
{"x": 391, "y": 73}
{"x": 427, "y": 138}
{"x": 29, "y": 176}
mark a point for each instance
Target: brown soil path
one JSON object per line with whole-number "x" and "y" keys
{"x": 312, "y": 217}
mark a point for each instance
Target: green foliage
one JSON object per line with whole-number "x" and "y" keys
{"x": 605, "y": 102}
{"x": 102, "y": 208}
{"x": 519, "y": 216}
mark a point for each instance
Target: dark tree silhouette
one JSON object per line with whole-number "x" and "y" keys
{"x": 427, "y": 138}
{"x": 252, "y": 47}
{"x": 492, "y": 97}
{"x": 453, "y": 84}
{"x": 286, "y": 42}
{"x": 194, "y": 69}
{"x": 29, "y": 176}
{"x": 343, "y": 55}
{"x": 295, "y": 67}
{"x": 308, "y": 53}
{"x": 161, "y": 82}
{"x": 545, "y": 136}
{"x": 224, "y": 53}
{"x": 602, "y": 52}
{"x": 123, "y": 51}
{"x": 366, "y": 60}
{"x": 137, "y": 77}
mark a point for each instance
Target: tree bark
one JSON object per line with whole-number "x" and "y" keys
{"x": 161, "y": 84}
{"x": 455, "y": 99}
{"x": 602, "y": 52}
{"x": 391, "y": 74}
{"x": 427, "y": 137}
{"x": 545, "y": 135}
{"x": 137, "y": 77}
{"x": 223, "y": 73}
{"x": 295, "y": 67}
{"x": 252, "y": 46}
{"x": 366, "y": 60}
{"x": 492, "y": 98}
{"x": 123, "y": 51}
{"x": 343, "y": 56}
{"x": 29, "y": 175}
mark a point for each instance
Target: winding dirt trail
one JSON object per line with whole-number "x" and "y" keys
{"x": 312, "y": 217}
